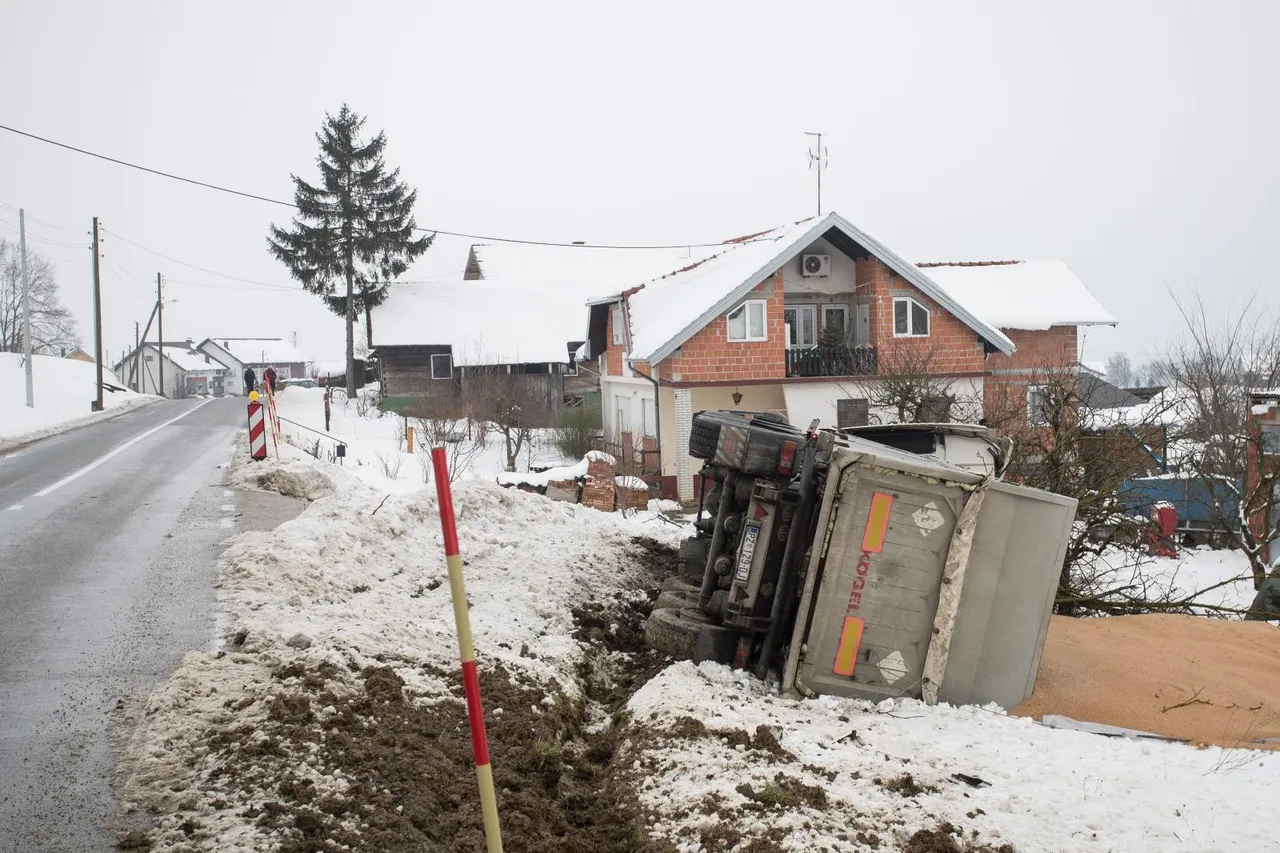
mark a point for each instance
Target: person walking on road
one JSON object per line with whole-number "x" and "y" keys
{"x": 269, "y": 377}
{"x": 250, "y": 380}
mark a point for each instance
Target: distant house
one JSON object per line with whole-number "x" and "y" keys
{"x": 180, "y": 369}
{"x": 235, "y": 354}
{"x": 434, "y": 340}
{"x": 809, "y": 321}
{"x": 80, "y": 355}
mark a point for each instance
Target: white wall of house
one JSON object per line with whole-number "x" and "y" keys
{"x": 808, "y": 400}
{"x": 842, "y": 279}
{"x": 628, "y": 406}
{"x": 150, "y": 367}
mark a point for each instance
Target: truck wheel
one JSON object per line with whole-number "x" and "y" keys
{"x": 688, "y": 634}
{"x": 678, "y": 584}
{"x": 677, "y": 598}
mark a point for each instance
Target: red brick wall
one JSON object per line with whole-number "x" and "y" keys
{"x": 612, "y": 353}
{"x": 1040, "y": 353}
{"x": 951, "y": 347}
{"x": 709, "y": 356}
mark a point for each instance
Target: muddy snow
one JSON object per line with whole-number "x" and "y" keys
{"x": 331, "y": 716}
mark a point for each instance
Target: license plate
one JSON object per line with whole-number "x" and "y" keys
{"x": 748, "y": 551}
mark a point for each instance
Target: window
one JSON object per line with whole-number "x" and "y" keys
{"x": 1270, "y": 438}
{"x": 571, "y": 369}
{"x": 910, "y": 318}
{"x": 442, "y": 366}
{"x": 1037, "y": 405}
{"x": 746, "y": 322}
{"x": 835, "y": 321}
{"x": 618, "y": 326}
{"x": 650, "y": 414}
{"x": 852, "y": 412}
{"x": 802, "y": 322}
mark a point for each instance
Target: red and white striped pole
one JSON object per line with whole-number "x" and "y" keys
{"x": 470, "y": 676}
{"x": 257, "y": 429}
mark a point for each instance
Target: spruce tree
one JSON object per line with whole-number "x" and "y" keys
{"x": 354, "y": 233}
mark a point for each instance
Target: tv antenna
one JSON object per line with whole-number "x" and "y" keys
{"x": 818, "y": 161}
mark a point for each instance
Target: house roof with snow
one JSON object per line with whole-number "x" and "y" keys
{"x": 611, "y": 269}
{"x": 1021, "y": 294}
{"x": 257, "y": 350}
{"x": 487, "y": 322}
{"x": 668, "y": 310}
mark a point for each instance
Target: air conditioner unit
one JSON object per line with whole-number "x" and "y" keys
{"x": 815, "y": 266}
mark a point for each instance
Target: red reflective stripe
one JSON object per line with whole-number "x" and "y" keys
{"x": 471, "y": 686}
{"x": 257, "y": 429}
{"x": 447, "y": 524}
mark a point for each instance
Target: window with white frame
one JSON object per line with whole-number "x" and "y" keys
{"x": 650, "y": 413}
{"x": 618, "y": 325}
{"x": 802, "y": 325}
{"x": 910, "y": 318}
{"x": 746, "y": 322}
{"x": 442, "y": 366}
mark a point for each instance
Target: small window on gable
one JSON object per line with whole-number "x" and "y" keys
{"x": 617, "y": 324}
{"x": 910, "y": 318}
{"x": 442, "y": 366}
{"x": 746, "y": 322}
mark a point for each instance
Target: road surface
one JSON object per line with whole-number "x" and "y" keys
{"x": 109, "y": 537}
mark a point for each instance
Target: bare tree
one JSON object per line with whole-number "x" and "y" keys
{"x": 1120, "y": 370}
{"x": 1063, "y": 446}
{"x": 53, "y": 330}
{"x": 513, "y": 407}
{"x": 911, "y": 385}
{"x": 452, "y": 434}
{"x": 1217, "y": 369}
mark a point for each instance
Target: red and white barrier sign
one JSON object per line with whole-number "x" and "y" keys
{"x": 257, "y": 431}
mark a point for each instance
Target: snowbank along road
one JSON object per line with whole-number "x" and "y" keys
{"x": 108, "y": 541}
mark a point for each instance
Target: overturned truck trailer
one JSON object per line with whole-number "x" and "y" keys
{"x": 859, "y": 568}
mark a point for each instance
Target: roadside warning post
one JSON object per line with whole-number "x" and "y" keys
{"x": 470, "y": 676}
{"x": 257, "y": 429}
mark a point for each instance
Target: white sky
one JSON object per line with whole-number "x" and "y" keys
{"x": 1135, "y": 140}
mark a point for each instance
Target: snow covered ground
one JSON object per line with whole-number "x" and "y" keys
{"x": 64, "y": 389}
{"x": 1215, "y": 578}
{"x": 1048, "y": 790}
{"x": 376, "y": 447}
{"x": 288, "y": 737}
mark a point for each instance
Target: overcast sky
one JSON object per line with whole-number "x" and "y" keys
{"x": 1137, "y": 141}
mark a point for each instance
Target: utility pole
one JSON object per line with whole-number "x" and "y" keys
{"x": 26, "y": 310}
{"x": 160, "y": 331}
{"x": 97, "y": 314}
{"x": 818, "y": 160}
{"x": 137, "y": 344}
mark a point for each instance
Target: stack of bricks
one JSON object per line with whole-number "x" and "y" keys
{"x": 598, "y": 493}
{"x": 631, "y": 493}
{"x": 563, "y": 490}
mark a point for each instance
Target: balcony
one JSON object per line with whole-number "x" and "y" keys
{"x": 832, "y": 361}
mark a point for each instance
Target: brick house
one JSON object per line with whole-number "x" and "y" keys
{"x": 810, "y": 321}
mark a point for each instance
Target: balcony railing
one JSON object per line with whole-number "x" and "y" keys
{"x": 832, "y": 361}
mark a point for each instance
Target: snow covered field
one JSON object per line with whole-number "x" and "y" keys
{"x": 64, "y": 389}
{"x": 330, "y": 717}
{"x": 376, "y": 447}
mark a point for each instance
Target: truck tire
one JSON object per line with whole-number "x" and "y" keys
{"x": 677, "y": 598}
{"x": 693, "y": 555}
{"x": 688, "y": 634}
{"x": 678, "y": 584}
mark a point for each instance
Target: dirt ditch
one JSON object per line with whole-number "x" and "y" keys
{"x": 350, "y": 758}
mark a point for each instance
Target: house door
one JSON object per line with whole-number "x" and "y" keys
{"x": 802, "y": 325}
{"x": 862, "y": 325}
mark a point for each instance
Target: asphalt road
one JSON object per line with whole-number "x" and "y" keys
{"x": 109, "y": 537}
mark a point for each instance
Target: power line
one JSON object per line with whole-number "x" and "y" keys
{"x": 254, "y": 196}
{"x": 70, "y": 228}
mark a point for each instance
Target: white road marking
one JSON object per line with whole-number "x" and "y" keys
{"x": 228, "y": 507}
{"x": 45, "y": 492}
{"x": 11, "y": 455}
{"x": 16, "y": 507}
{"x": 227, "y": 522}
{"x": 226, "y": 493}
